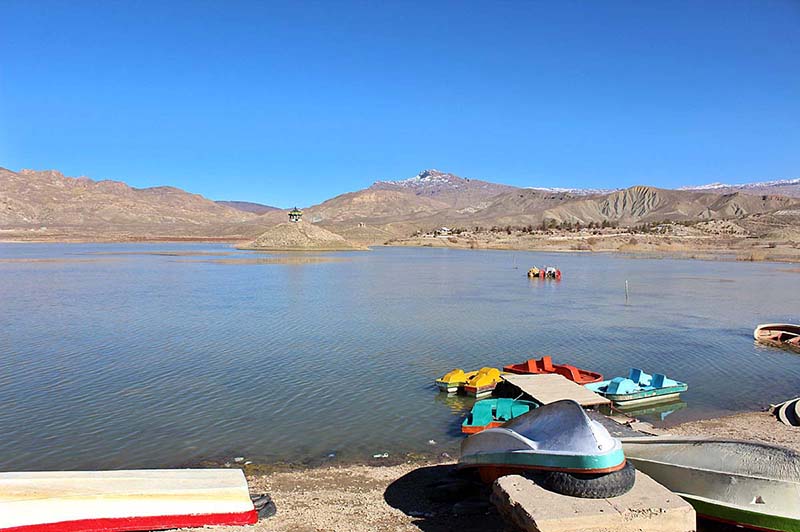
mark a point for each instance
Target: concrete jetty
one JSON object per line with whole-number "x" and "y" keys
{"x": 648, "y": 507}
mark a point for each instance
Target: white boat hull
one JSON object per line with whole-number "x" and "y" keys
{"x": 752, "y": 485}
{"x": 69, "y": 501}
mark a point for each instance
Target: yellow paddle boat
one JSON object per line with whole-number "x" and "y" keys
{"x": 454, "y": 380}
{"x": 483, "y": 382}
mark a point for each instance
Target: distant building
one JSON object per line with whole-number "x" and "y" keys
{"x": 443, "y": 231}
{"x": 295, "y": 215}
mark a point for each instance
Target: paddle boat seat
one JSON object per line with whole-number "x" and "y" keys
{"x": 621, "y": 385}
{"x": 482, "y": 413}
{"x": 503, "y": 410}
{"x": 661, "y": 381}
{"x": 518, "y": 408}
{"x": 639, "y": 377}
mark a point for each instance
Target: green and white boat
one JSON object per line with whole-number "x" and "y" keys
{"x": 743, "y": 483}
{"x": 490, "y": 413}
{"x": 555, "y": 437}
{"x": 639, "y": 388}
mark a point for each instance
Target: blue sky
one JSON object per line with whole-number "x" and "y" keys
{"x": 294, "y": 102}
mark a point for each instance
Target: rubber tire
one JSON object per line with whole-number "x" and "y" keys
{"x": 600, "y": 486}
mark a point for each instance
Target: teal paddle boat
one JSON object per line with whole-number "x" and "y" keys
{"x": 554, "y": 437}
{"x": 639, "y": 388}
{"x": 490, "y": 413}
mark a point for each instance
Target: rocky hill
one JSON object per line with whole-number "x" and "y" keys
{"x": 374, "y": 205}
{"x": 300, "y": 236}
{"x": 43, "y": 202}
{"x": 645, "y": 204}
{"x": 455, "y": 191}
{"x": 248, "y": 206}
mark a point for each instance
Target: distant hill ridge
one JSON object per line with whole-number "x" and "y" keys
{"x": 249, "y": 206}
{"x": 48, "y": 202}
{"x": 785, "y": 187}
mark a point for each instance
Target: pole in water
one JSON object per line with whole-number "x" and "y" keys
{"x": 626, "y": 290}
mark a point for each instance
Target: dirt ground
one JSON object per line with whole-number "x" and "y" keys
{"x": 434, "y": 497}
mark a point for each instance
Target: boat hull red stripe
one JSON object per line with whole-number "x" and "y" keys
{"x": 124, "y": 524}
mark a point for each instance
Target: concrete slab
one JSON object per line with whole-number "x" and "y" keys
{"x": 551, "y": 387}
{"x": 648, "y": 507}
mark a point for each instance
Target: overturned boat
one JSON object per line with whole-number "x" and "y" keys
{"x": 788, "y": 412}
{"x": 783, "y": 335}
{"x": 490, "y": 413}
{"x": 545, "y": 365}
{"x": 639, "y": 388}
{"x": 742, "y": 483}
{"x": 554, "y": 437}
{"x": 95, "y": 501}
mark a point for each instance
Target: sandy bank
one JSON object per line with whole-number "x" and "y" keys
{"x": 402, "y": 497}
{"x": 685, "y": 246}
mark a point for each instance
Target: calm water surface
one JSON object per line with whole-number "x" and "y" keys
{"x": 158, "y": 355}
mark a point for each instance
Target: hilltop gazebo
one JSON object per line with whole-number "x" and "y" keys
{"x": 295, "y": 215}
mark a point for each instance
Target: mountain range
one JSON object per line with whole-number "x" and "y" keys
{"x": 47, "y": 204}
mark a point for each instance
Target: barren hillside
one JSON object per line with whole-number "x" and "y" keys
{"x": 49, "y": 202}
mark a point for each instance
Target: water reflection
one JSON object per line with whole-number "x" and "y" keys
{"x": 658, "y": 411}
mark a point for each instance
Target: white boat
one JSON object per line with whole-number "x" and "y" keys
{"x": 554, "y": 437}
{"x": 743, "y": 483}
{"x": 784, "y": 335}
{"x": 94, "y": 501}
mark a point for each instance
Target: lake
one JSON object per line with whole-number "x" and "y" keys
{"x": 156, "y": 355}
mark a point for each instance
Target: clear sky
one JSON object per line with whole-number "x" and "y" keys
{"x": 294, "y": 102}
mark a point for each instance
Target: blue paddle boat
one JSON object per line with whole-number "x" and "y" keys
{"x": 639, "y": 388}
{"x": 491, "y": 413}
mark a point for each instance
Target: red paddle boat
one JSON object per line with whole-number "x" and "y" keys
{"x": 545, "y": 365}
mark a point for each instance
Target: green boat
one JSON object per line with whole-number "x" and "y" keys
{"x": 490, "y": 413}
{"x": 639, "y": 388}
{"x": 746, "y": 484}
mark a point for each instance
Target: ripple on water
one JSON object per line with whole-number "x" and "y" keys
{"x": 147, "y": 360}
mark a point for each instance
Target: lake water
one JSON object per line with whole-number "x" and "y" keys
{"x": 143, "y": 355}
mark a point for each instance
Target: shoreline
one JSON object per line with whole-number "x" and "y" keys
{"x": 657, "y": 248}
{"x": 404, "y": 496}
{"x": 717, "y": 255}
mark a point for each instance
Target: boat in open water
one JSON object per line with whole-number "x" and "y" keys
{"x": 783, "y": 335}
{"x": 104, "y": 501}
{"x": 490, "y": 413}
{"x": 747, "y": 484}
{"x": 639, "y": 388}
{"x": 545, "y": 365}
{"x": 554, "y": 437}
